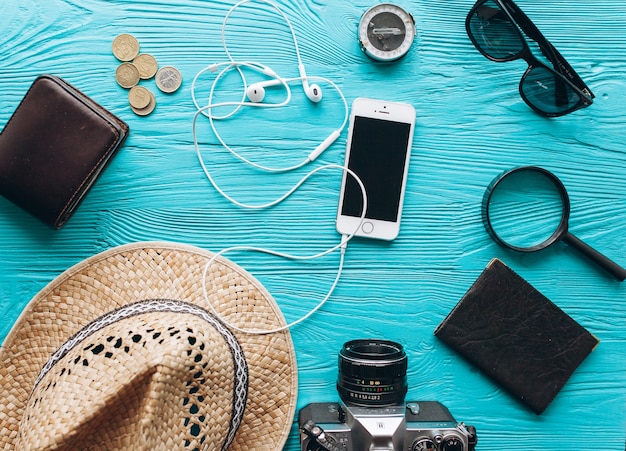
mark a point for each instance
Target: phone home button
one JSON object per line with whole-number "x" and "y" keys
{"x": 367, "y": 227}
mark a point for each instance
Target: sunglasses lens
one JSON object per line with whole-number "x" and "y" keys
{"x": 493, "y": 32}
{"x": 549, "y": 92}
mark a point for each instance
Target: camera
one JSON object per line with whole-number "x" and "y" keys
{"x": 372, "y": 414}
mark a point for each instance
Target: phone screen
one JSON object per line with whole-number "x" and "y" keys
{"x": 378, "y": 156}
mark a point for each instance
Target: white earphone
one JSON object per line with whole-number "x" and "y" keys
{"x": 313, "y": 92}
{"x": 256, "y": 91}
{"x": 253, "y": 96}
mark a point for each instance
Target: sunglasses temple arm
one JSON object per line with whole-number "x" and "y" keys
{"x": 562, "y": 66}
{"x": 607, "y": 264}
{"x": 558, "y": 61}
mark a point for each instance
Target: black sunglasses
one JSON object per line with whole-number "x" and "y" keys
{"x": 494, "y": 28}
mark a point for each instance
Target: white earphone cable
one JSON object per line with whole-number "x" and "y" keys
{"x": 343, "y": 245}
{"x": 208, "y": 111}
{"x": 236, "y": 66}
{"x": 277, "y": 329}
{"x": 277, "y": 9}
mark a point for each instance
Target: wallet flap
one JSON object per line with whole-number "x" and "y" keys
{"x": 53, "y": 148}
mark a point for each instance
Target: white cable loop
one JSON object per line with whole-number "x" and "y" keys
{"x": 278, "y": 10}
{"x": 278, "y": 329}
{"x": 343, "y": 244}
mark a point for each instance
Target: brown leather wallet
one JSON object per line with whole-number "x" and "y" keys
{"x": 54, "y": 147}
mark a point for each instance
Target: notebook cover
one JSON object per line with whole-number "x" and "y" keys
{"x": 516, "y": 335}
{"x": 54, "y": 147}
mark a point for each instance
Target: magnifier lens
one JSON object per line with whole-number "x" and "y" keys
{"x": 526, "y": 209}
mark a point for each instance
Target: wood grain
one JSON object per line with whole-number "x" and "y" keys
{"x": 471, "y": 125}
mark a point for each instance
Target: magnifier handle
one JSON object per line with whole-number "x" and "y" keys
{"x": 609, "y": 265}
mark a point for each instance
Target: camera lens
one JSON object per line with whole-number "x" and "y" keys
{"x": 372, "y": 373}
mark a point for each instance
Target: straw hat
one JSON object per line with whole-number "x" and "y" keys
{"x": 119, "y": 352}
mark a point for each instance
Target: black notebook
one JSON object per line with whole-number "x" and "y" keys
{"x": 516, "y": 335}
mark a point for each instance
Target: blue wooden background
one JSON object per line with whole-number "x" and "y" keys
{"x": 471, "y": 125}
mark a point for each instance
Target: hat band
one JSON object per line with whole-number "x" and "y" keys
{"x": 240, "y": 384}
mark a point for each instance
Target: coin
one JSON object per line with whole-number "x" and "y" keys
{"x": 147, "y": 65}
{"x": 125, "y": 47}
{"x": 139, "y": 97}
{"x": 127, "y": 75}
{"x": 168, "y": 79}
{"x": 148, "y": 109}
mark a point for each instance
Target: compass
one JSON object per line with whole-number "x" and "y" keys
{"x": 386, "y": 32}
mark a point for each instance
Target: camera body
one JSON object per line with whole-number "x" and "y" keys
{"x": 415, "y": 426}
{"x": 372, "y": 415}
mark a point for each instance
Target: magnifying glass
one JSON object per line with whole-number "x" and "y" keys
{"x": 527, "y": 209}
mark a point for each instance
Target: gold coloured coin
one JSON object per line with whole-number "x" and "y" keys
{"x": 148, "y": 109}
{"x": 147, "y": 65}
{"x": 127, "y": 75}
{"x": 168, "y": 79}
{"x": 125, "y": 47}
{"x": 139, "y": 97}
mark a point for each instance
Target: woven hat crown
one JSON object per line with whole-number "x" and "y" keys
{"x": 157, "y": 371}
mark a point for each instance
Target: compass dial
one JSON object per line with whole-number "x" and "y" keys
{"x": 386, "y": 32}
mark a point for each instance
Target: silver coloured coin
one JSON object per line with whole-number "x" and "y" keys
{"x": 168, "y": 79}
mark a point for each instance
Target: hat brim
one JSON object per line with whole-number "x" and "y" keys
{"x": 156, "y": 270}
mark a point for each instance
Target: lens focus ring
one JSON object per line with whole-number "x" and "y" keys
{"x": 372, "y": 373}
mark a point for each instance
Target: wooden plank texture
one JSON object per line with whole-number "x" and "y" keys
{"x": 471, "y": 124}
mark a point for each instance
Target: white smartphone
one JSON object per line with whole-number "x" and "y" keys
{"x": 378, "y": 150}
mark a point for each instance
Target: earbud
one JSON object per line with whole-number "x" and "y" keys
{"x": 313, "y": 92}
{"x": 256, "y": 91}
